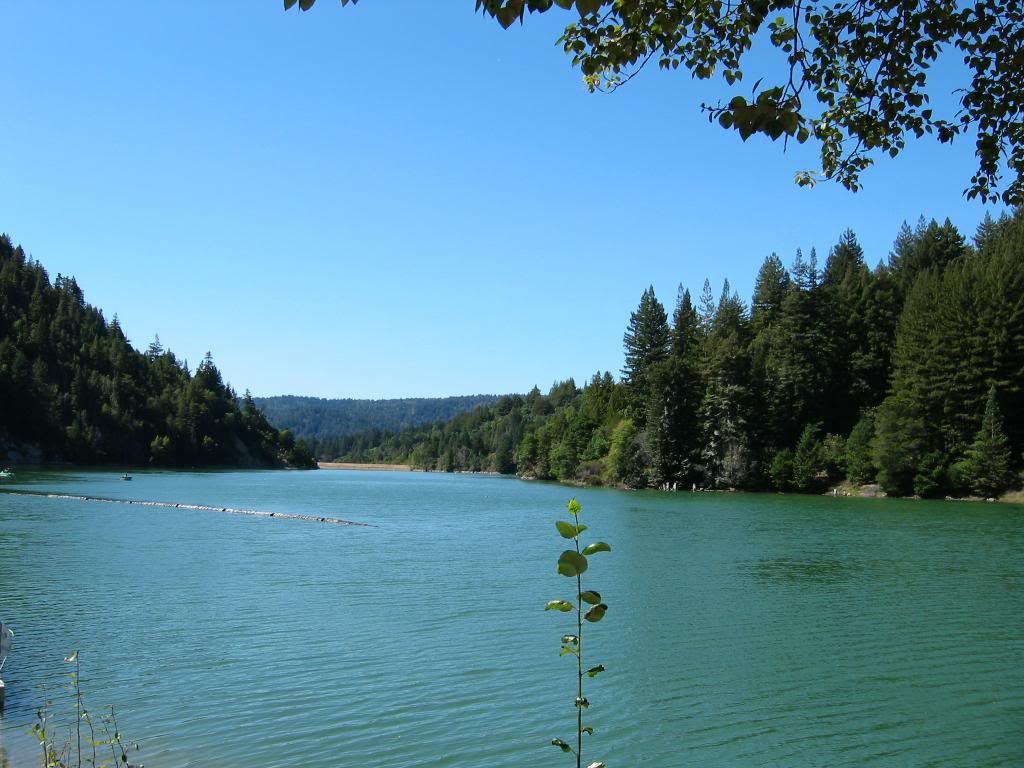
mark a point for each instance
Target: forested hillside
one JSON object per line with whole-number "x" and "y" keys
{"x": 910, "y": 374}
{"x": 321, "y": 421}
{"x": 73, "y": 388}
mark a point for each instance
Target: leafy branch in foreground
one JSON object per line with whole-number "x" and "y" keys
{"x": 573, "y": 563}
{"x": 850, "y": 75}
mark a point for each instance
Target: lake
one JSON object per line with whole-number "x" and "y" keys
{"x": 743, "y": 629}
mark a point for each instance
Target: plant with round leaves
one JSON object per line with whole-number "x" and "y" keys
{"x": 573, "y": 563}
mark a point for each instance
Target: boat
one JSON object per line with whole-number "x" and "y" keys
{"x": 126, "y": 476}
{"x": 6, "y": 635}
{"x": 6, "y": 473}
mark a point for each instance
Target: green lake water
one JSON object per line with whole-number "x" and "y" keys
{"x": 743, "y": 630}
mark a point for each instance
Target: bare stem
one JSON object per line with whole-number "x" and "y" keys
{"x": 78, "y": 702}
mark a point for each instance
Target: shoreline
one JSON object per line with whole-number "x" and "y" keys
{"x": 368, "y": 467}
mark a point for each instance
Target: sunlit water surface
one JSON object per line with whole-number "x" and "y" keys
{"x": 743, "y": 630}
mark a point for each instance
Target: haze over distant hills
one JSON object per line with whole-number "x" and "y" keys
{"x": 320, "y": 418}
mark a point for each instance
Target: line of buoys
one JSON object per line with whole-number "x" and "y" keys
{"x": 197, "y": 507}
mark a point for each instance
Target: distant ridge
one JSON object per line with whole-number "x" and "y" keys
{"x": 318, "y": 418}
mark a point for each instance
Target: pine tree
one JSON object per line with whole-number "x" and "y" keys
{"x": 646, "y": 343}
{"x": 686, "y": 332}
{"x": 800, "y": 361}
{"x": 962, "y": 329}
{"x": 932, "y": 246}
{"x": 781, "y": 472}
{"x": 808, "y": 460}
{"x": 871, "y": 367}
{"x": 900, "y": 445}
{"x": 725, "y": 412}
{"x": 707, "y": 308}
{"x": 769, "y": 293}
{"x": 672, "y": 435}
{"x": 989, "y": 459}
{"x": 860, "y": 465}
{"x": 842, "y": 326}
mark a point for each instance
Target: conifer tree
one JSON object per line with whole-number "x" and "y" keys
{"x": 799, "y": 359}
{"x": 988, "y": 230}
{"x": 646, "y": 343}
{"x": 872, "y": 366}
{"x": 989, "y": 457}
{"x": 686, "y": 333}
{"x": 781, "y": 471}
{"x": 725, "y": 410}
{"x": 901, "y": 442}
{"x": 672, "y": 423}
{"x": 860, "y": 465}
{"x": 769, "y": 293}
{"x": 932, "y": 246}
{"x": 808, "y": 459}
{"x": 707, "y": 308}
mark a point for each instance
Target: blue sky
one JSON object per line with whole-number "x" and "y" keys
{"x": 396, "y": 199}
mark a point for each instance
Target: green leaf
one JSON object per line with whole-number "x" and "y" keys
{"x": 571, "y": 563}
{"x": 562, "y": 745}
{"x": 566, "y": 649}
{"x": 596, "y": 613}
{"x": 507, "y": 15}
{"x": 582, "y": 701}
{"x": 574, "y": 507}
{"x": 570, "y": 639}
{"x": 597, "y": 546}
{"x": 595, "y": 671}
{"x": 745, "y": 127}
{"x": 590, "y": 596}
{"x": 587, "y": 729}
{"x": 568, "y": 530}
{"x": 305, "y": 5}
{"x": 558, "y": 605}
{"x": 596, "y": 764}
{"x": 587, "y": 6}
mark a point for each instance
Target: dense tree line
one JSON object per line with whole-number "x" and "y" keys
{"x": 73, "y": 388}
{"x": 322, "y": 421}
{"x": 910, "y": 374}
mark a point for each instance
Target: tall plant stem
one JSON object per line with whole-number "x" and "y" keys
{"x": 78, "y": 702}
{"x": 579, "y": 662}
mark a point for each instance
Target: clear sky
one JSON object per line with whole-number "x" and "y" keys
{"x": 396, "y": 199}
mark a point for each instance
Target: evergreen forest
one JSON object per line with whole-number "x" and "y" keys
{"x": 72, "y": 388}
{"x": 320, "y": 421}
{"x": 909, "y": 375}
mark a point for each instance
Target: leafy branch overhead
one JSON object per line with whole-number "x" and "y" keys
{"x": 850, "y": 75}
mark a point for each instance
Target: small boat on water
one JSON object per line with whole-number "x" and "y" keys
{"x": 126, "y": 476}
{"x": 6, "y": 473}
